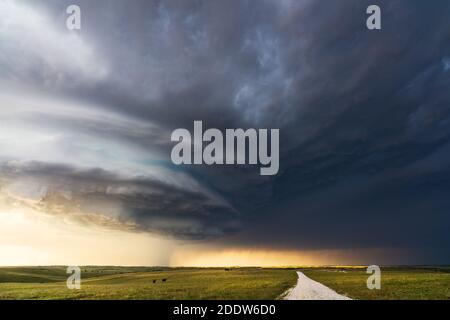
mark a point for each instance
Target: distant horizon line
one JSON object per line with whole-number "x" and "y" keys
{"x": 230, "y": 267}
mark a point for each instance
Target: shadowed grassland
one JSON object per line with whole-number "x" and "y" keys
{"x": 399, "y": 283}
{"x": 58, "y": 273}
{"x": 146, "y": 283}
{"x": 218, "y": 283}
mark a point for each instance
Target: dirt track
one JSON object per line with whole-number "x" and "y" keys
{"x": 308, "y": 289}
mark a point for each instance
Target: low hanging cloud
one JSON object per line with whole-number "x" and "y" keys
{"x": 131, "y": 203}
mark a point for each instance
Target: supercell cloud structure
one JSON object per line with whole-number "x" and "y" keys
{"x": 364, "y": 118}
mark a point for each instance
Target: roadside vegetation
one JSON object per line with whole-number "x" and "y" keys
{"x": 397, "y": 283}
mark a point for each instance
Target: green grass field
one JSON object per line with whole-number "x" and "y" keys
{"x": 218, "y": 283}
{"x": 398, "y": 283}
{"x": 137, "y": 283}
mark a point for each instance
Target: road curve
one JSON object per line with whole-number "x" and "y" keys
{"x": 308, "y": 289}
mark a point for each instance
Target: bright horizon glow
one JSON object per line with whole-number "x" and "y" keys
{"x": 30, "y": 238}
{"x": 204, "y": 256}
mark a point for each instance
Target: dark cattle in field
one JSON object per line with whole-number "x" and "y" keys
{"x": 154, "y": 281}
{"x": 164, "y": 280}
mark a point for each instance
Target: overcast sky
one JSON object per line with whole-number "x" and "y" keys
{"x": 364, "y": 118}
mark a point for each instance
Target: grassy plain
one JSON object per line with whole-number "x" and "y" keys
{"x": 397, "y": 283}
{"x": 146, "y": 283}
{"x": 218, "y": 283}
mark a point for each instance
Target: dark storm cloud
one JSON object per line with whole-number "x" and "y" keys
{"x": 364, "y": 115}
{"x": 139, "y": 203}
